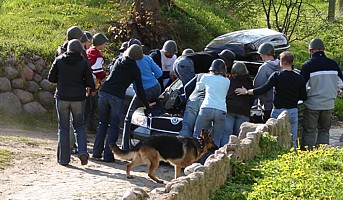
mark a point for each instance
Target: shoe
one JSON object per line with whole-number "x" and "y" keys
{"x": 84, "y": 159}
{"x": 171, "y": 101}
{"x": 64, "y": 164}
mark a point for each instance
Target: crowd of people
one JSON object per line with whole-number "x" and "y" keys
{"x": 218, "y": 91}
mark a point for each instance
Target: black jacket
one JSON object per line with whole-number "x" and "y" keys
{"x": 72, "y": 75}
{"x": 124, "y": 72}
{"x": 239, "y": 104}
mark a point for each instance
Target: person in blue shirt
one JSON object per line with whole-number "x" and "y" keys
{"x": 150, "y": 72}
{"x": 213, "y": 108}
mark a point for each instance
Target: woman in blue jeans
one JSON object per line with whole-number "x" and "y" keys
{"x": 213, "y": 108}
{"x": 111, "y": 100}
{"x": 289, "y": 88}
{"x": 72, "y": 75}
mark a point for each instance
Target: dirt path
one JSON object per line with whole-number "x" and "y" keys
{"x": 35, "y": 174}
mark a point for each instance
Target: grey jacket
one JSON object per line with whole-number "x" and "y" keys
{"x": 262, "y": 76}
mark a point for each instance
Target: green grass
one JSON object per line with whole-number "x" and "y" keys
{"x": 39, "y": 26}
{"x": 5, "y": 158}
{"x": 47, "y": 121}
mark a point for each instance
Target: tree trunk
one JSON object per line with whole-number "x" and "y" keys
{"x": 340, "y": 7}
{"x": 331, "y": 12}
{"x": 146, "y": 20}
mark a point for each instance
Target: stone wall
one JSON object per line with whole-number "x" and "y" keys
{"x": 201, "y": 180}
{"x": 24, "y": 87}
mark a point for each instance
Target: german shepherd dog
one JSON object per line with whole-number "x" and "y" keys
{"x": 177, "y": 150}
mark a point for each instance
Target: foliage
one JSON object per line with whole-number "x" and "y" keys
{"x": 338, "y": 110}
{"x": 5, "y": 158}
{"x": 279, "y": 175}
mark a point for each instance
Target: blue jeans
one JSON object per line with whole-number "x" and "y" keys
{"x": 65, "y": 109}
{"x": 293, "y": 119}
{"x": 206, "y": 117}
{"x": 232, "y": 125}
{"x": 316, "y": 126}
{"x": 190, "y": 116}
{"x": 152, "y": 94}
{"x": 110, "y": 110}
{"x": 184, "y": 69}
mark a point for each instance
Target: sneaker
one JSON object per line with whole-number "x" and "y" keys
{"x": 171, "y": 101}
{"x": 84, "y": 159}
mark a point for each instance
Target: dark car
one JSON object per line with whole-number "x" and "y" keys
{"x": 243, "y": 43}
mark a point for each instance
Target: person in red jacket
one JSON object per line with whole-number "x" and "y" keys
{"x": 96, "y": 59}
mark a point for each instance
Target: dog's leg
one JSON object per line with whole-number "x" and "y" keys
{"x": 152, "y": 167}
{"x": 135, "y": 162}
{"x": 177, "y": 171}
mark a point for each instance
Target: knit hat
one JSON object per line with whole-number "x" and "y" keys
{"x": 123, "y": 46}
{"x": 170, "y": 46}
{"x": 135, "y": 52}
{"x": 74, "y": 32}
{"x": 187, "y": 51}
{"x": 99, "y": 39}
{"x": 84, "y": 38}
{"x": 74, "y": 46}
{"x": 134, "y": 41}
{"x": 89, "y": 35}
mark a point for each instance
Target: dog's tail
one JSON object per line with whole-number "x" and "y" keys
{"x": 123, "y": 154}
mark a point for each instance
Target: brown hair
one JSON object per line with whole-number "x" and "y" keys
{"x": 287, "y": 57}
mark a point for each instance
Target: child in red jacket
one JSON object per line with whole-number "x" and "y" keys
{"x": 96, "y": 59}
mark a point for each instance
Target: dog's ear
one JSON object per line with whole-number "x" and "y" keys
{"x": 203, "y": 133}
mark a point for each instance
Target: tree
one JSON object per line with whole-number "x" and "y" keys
{"x": 288, "y": 22}
{"x": 331, "y": 12}
{"x": 340, "y": 7}
{"x": 144, "y": 23}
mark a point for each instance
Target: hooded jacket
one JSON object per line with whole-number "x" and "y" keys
{"x": 262, "y": 76}
{"x": 239, "y": 104}
{"x": 72, "y": 75}
{"x": 124, "y": 72}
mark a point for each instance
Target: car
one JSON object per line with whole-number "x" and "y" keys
{"x": 243, "y": 43}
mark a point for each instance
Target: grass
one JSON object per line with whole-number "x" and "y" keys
{"x": 39, "y": 26}
{"x": 47, "y": 121}
{"x": 5, "y": 158}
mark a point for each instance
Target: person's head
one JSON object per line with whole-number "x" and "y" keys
{"x": 266, "y": 51}
{"x": 134, "y": 51}
{"x": 90, "y": 39}
{"x": 74, "y": 46}
{"x": 74, "y": 32}
{"x": 134, "y": 41}
{"x": 228, "y": 57}
{"x": 286, "y": 59}
{"x": 99, "y": 41}
{"x": 123, "y": 47}
{"x": 218, "y": 66}
{"x": 239, "y": 68}
{"x": 315, "y": 45}
{"x": 169, "y": 48}
{"x": 187, "y": 51}
{"x": 84, "y": 39}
